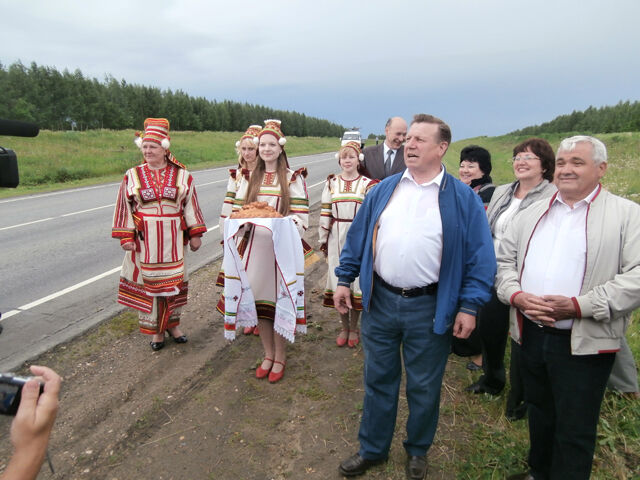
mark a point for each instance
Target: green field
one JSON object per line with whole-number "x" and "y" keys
{"x": 623, "y": 173}
{"x": 57, "y": 160}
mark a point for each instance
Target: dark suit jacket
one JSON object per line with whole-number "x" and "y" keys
{"x": 374, "y": 161}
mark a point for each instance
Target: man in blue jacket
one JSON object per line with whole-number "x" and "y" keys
{"x": 423, "y": 250}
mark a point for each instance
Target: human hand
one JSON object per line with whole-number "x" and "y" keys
{"x": 464, "y": 324}
{"x": 562, "y": 306}
{"x": 129, "y": 246}
{"x": 342, "y": 299}
{"x": 324, "y": 248}
{"x": 31, "y": 427}
{"x": 534, "y": 307}
{"x": 194, "y": 243}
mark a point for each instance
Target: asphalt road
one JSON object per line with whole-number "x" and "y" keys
{"x": 59, "y": 265}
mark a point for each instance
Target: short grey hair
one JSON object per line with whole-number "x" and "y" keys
{"x": 598, "y": 149}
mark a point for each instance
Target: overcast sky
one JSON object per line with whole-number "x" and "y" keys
{"x": 486, "y": 67}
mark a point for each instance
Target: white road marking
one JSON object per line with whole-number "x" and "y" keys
{"x": 60, "y": 293}
{"x": 61, "y": 192}
{"x": 53, "y": 218}
{"x": 88, "y": 210}
{"x": 25, "y": 224}
{"x": 198, "y": 185}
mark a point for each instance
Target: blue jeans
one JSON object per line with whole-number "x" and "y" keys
{"x": 564, "y": 393}
{"x": 395, "y": 325}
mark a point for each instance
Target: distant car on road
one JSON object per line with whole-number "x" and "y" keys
{"x": 352, "y": 136}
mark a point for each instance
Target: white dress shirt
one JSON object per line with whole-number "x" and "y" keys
{"x": 408, "y": 248}
{"x": 557, "y": 254}
{"x": 386, "y": 152}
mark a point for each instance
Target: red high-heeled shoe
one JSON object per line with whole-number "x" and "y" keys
{"x": 261, "y": 372}
{"x": 276, "y": 377}
{"x": 342, "y": 341}
{"x": 355, "y": 341}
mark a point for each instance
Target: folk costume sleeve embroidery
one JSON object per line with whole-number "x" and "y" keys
{"x": 233, "y": 201}
{"x": 158, "y": 211}
{"x": 341, "y": 200}
{"x": 236, "y": 191}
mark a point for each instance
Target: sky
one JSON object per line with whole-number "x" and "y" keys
{"x": 486, "y": 67}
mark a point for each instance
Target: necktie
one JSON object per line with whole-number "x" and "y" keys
{"x": 387, "y": 163}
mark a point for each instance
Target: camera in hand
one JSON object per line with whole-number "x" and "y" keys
{"x": 11, "y": 392}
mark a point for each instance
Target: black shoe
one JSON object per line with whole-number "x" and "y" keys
{"x": 356, "y": 465}
{"x": 521, "y": 476}
{"x": 180, "y": 339}
{"x": 517, "y": 413}
{"x": 472, "y": 366}
{"x": 416, "y": 467}
{"x": 155, "y": 346}
{"x": 477, "y": 388}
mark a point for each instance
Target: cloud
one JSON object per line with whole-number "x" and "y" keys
{"x": 487, "y": 67}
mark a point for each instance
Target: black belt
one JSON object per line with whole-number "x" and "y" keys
{"x": 430, "y": 289}
{"x": 556, "y": 331}
{"x": 551, "y": 330}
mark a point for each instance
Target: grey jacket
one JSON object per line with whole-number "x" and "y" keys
{"x": 611, "y": 284}
{"x": 503, "y": 195}
{"x": 374, "y": 161}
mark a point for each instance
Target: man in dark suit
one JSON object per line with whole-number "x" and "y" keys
{"x": 388, "y": 158}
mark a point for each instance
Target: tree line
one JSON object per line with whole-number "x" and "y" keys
{"x": 623, "y": 117}
{"x": 65, "y": 101}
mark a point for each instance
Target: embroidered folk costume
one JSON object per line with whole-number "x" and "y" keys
{"x": 262, "y": 259}
{"x": 255, "y": 246}
{"x": 341, "y": 200}
{"x": 157, "y": 210}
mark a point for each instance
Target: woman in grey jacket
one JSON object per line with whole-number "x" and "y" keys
{"x": 533, "y": 167}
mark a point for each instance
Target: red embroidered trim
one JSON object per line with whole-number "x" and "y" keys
{"x": 269, "y": 178}
{"x": 150, "y": 191}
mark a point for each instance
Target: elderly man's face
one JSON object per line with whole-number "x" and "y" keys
{"x": 576, "y": 173}
{"x": 395, "y": 133}
{"x": 423, "y": 150}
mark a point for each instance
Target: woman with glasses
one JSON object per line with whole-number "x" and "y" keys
{"x": 533, "y": 167}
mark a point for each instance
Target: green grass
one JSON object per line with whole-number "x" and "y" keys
{"x": 57, "y": 160}
{"x": 496, "y": 447}
{"x": 622, "y": 176}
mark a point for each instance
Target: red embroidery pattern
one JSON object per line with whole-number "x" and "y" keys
{"x": 269, "y": 178}
{"x": 150, "y": 191}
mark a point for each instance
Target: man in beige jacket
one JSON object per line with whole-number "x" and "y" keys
{"x": 570, "y": 269}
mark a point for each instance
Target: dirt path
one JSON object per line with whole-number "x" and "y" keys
{"x": 196, "y": 411}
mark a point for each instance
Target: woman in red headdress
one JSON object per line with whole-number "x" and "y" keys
{"x": 156, "y": 215}
{"x": 285, "y": 190}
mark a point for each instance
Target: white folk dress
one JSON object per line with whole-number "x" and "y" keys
{"x": 157, "y": 211}
{"x": 255, "y": 245}
{"x": 341, "y": 200}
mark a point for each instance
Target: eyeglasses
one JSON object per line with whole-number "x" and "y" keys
{"x": 524, "y": 158}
